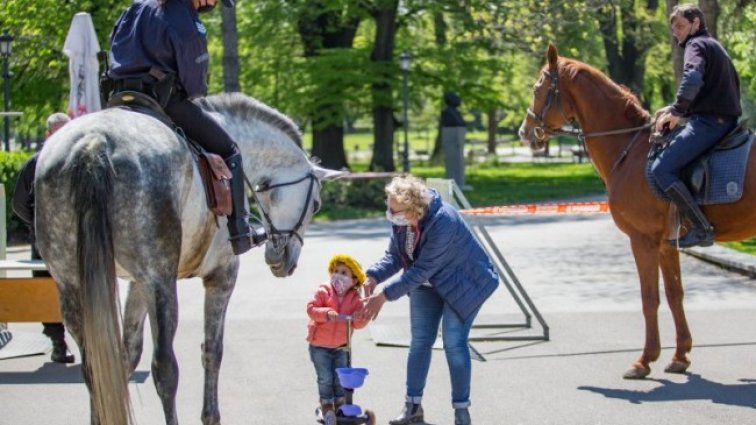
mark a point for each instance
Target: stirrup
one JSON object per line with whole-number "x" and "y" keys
{"x": 694, "y": 237}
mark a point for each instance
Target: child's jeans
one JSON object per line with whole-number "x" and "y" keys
{"x": 326, "y": 360}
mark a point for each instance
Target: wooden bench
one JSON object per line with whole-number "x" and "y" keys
{"x": 27, "y": 299}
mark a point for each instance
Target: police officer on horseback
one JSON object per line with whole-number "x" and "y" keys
{"x": 709, "y": 96}
{"x": 159, "y": 47}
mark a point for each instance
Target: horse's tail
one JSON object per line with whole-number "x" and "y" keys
{"x": 91, "y": 173}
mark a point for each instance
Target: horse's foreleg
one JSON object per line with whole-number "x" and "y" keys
{"x": 670, "y": 267}
{"x": 646, "y": 253}
{"x": 164, "y": 364}
{"x": 217, "y": 295}
{"x": 133, "y": 325}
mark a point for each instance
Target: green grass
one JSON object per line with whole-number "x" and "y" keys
{"x": 524, "y": 182}
{"x": 748, "y": 247}
{"x": 497, "y": 185}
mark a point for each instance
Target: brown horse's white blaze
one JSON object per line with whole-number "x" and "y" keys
{"x": 616, "y": 133}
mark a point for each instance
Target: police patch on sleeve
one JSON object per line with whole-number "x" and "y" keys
{"x": 200, "y": 27}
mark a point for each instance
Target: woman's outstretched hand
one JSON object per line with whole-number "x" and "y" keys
{"x": 372, "y": 307}
{"x": 369, "y": 286}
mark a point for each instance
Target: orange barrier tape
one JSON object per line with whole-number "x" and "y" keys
{"x": 369, "y": 175}
{"x": 554, "y": 208}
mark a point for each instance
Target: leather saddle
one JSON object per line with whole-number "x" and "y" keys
{"x": 216, "y": 177}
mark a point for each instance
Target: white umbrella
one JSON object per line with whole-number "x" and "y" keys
{"x": 81, "y": 47}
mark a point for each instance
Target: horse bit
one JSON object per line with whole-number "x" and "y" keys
{"x": 259, "y": 236}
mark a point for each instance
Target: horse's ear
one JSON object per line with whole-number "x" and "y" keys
{"x": 326, "y": 174}
{"x": 552, "y": 55}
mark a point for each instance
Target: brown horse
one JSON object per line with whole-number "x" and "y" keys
{"x": 616, "y": 131}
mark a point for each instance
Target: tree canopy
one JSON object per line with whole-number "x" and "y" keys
{"x": 331, "y": 63}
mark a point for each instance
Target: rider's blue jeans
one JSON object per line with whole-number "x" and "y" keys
{"x": 427, "y": 311}
{"x": 326, "y": 360}
{"x": 700, "y": 134}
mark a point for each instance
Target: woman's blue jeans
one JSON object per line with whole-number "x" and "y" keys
{"x": 700, "y": 134}
{"x": 326, "y": 360}
{"x": 427, "y": 311}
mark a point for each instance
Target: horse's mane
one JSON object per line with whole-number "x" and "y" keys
{"x": 609, "y": 88}
{"x": 247, "y": 108}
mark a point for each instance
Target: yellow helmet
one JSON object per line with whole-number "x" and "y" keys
{"x": 350, "y": 262}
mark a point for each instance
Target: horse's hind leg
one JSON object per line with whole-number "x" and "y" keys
{"x": 670, "y": 267}
{"x": 218, "y": 289}
{"x": 164, "y": 365}
{"x": 133, "y": 325}
{"x": 646, "y": 253}
{"x": 69, "y": 299}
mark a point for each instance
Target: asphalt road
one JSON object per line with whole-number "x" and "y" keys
{"x": 579, "y": 273}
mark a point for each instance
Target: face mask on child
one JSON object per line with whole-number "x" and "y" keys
{"x": 398, "y": 219}
{"x": 341, "y": 283}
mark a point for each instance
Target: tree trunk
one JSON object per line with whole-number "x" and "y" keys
{"x": 677, "y": 51}
{"x": 323, "y": 28}
{"x": 625, "y": 57}
{"x": 492, "y": 126}
{"x": 710, "y": 9}
{"x": 230, "y": 50}
{"x": 382, "y": 91}
{"x": 439, "y": 31}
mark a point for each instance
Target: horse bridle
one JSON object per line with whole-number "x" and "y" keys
{"x": 542, "y": 129}
{"x": 276, "y": 233}
{"x": 552, "y": 94}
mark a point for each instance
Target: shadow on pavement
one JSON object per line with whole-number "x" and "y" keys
{"x": 696, "y": 388}
{"x": 54, "y": 373}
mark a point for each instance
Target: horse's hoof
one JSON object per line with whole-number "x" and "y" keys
{"x": 677, "y": 366}
{"x": 637, "y": 373}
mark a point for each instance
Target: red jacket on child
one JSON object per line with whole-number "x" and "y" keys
{"x": 322, "y": 332}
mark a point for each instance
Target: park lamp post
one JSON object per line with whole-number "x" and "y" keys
{"x": 404, "y": 63}
{"x": 5, "y": 52}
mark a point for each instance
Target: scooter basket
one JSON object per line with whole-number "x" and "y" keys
{"x": 351, "y": 377}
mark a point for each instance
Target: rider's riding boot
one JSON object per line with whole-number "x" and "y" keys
{"x": 57, "y": 334}
{"x": 702, "y": 233}
{"x": 462, "y": 417}
{"x": 411, "y": 414}
{"x": 238, "y": 226}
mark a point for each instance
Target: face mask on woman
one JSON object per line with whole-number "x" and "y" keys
{"x": 341, "y": 283}
{"x": 398, "y": 219}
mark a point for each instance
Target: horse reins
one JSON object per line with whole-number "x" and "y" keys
{"x": 274, "y": 231}
{"x": 542, "y": 129}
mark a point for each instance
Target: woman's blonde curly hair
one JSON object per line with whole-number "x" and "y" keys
{"x": 410, "y": 191}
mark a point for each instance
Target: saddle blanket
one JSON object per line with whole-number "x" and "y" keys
{"x": 724, "y": 175}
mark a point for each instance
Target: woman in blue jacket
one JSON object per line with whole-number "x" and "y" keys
{"x": 447, "y": 276}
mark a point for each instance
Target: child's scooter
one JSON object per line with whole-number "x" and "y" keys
{"x": 350, "y": 378}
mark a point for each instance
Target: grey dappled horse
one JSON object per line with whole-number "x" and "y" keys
{"x": 118, "y": 194}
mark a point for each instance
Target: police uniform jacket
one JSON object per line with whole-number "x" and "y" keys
{"x": 169, "y": 37}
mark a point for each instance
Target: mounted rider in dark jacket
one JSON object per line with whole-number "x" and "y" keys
{"x": 159, "y": 47}
{"x": 709, "y": 95}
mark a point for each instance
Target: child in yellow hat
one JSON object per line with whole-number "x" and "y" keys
{"x": 327, "y": 335}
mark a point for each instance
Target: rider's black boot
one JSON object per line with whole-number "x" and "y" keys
{"x": 702, "y": 233}
{"x": 238, "y": 226}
